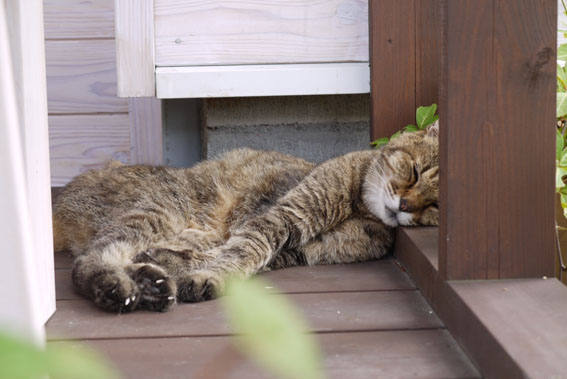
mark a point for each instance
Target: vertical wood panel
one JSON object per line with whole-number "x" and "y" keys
{"x": 146, "y": 145}
{"x": 392, "y": 65}
{"x": 27, "y": 285}
{"x": 428, "y": 51}
{"x": 497, "y": 163}
{"x": 135, "y": 47}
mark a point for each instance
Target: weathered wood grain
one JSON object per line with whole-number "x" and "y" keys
{"x": 75, "y": 19}
{"x": 385, "y": 354}
{"x": 135, "y": 61}
{"x": 496, "y": 140}
{"x": 81, "y": 77}
{"x": 220, "y": 32}
{"x": 146, "y": 145}
{"x": 82, "y": 142}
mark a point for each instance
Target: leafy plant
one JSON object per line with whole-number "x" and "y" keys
{"x": 424, "y": 116}
{"x": 20, "y": 359}
{"x": 271, "y": 330}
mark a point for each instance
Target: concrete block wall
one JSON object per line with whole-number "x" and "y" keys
{"x": 315, "y": 128}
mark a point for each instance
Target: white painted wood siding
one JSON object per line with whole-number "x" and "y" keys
{"x": 88, "y": 123}
{"x": 225, "y": 32}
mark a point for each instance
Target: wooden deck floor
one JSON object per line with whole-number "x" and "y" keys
{"x": 369, "y": 318}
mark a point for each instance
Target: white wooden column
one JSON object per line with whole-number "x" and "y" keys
{"x": 27, "y": 284}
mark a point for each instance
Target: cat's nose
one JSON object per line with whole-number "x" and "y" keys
{"x": 403, "y": 205}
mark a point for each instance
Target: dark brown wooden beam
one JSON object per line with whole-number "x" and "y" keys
{"x": 497, "y": 139}
{"x": 494, "y": 321}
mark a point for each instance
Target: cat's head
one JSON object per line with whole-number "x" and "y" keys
{"x": 402, "y": 184}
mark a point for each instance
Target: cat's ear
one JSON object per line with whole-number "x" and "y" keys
{"x": 433, "y": 130}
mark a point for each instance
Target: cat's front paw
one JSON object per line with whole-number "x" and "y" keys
{"x": 200, "y": 285}
{"x": 115, "y": 292}
{"x": 156, "y": 289}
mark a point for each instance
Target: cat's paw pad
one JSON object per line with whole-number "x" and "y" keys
{"x": 157, "y": 290}
{"x": 200, "y": 285}
{"x": 115, "y": 292}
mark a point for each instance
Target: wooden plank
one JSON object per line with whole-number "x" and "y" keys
{"x": 262, "y": 80}
{"x": 494, "y": 321}
{"x": 81, "y": 77}
{"x": 392, "y": 66}
{"x": 497, "y": 205}
{"x": 217, "y": 32}
{"x": 508, "y": 309}
{"x": 369, "y": 276}
{"x": 63, "y": 261}
{"x": 146, "y": 145}
{"x": 73, "y": 19}
{"x": 83, "y": 142}
{"x": 387, "y": 354}
{"x": 351, "y": 311}
{"x": 428, "y": 51}
{"x": 135, "y": 47}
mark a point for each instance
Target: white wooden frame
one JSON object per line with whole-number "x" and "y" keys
{"x": 262, "y": 80}
{"x": 135, "y": 52}
{"x": 27, "y": 284}
{"x": 138, "y": 75}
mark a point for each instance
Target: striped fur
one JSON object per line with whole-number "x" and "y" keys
{"x": 145, "y": 237}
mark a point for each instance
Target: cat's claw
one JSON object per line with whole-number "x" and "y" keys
{"x": 200, "y": 285}
{"x": 156, "y": 289}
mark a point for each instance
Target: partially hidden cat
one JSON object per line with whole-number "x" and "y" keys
{"x": 146, "y": 237}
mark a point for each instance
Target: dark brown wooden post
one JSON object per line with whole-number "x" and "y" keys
{"x": 497, "y": 139}
{"x": 392, "y": 65}
{"x": 405, "y": 56}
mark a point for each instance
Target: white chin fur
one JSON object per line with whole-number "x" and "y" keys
{"x": 405, "y": 218}
{"x": 379, "y": 204}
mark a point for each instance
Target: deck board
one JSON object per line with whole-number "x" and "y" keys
{"x": 368, "y": 317}
{"x": 386, "y": 354}
{"x": 325, "y": 312}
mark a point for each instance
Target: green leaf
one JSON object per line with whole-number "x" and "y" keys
{"x": 558, "y": 145}
{"x": 411, "y": 128}
{"x": 380, "y": 142}
{"x": 562, "y": 52}
{"x": 561, "y": 109}
{"x": 21, "y": 359}
{"x": 272, "y": 331}
{"x": 396, "y": 135}
{"x": 559, "y": 174}
{"x": 563, "y": 160}
{"x": 561, "y": 79}
{"x": 425, "y": 116}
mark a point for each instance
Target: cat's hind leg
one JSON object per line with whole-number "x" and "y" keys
{"x": 105, "y": 271}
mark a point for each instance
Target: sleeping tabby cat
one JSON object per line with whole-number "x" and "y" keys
{"x": 145, "y": 237}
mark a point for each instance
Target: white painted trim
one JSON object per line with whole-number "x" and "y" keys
{"x": 27, "y": 284}
{"x": 262, "y": 80}
{"x": 135, "y": 50}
